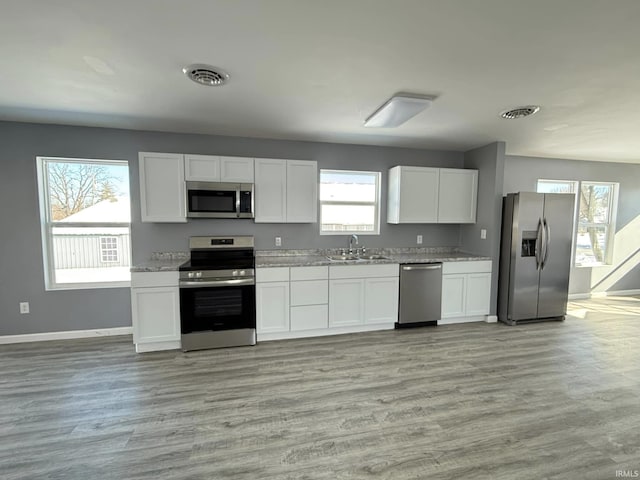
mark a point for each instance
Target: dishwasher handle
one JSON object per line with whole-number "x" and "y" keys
{"x": 422, "y": 267}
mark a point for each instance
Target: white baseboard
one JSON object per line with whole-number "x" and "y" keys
{"x": 579, "y": 296}
{"x": 323, "y": 332}
{"x": 157, "y": 346}
{"x": 611, "y": 293}
{"x": 491, "y": 319}
{"x": 68, "y": 335}
{"x": 451, "y": 321}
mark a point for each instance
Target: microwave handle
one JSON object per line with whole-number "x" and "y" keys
{"x": 238, "y": 201}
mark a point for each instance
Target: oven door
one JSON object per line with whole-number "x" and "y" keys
{"x": 227, "y": 305}
{"x": 213, "y": 200}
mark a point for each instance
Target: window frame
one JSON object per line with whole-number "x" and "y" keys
{"x": 109, "y": 247}
{"x": 610, "y": 226}
{"x": 47, "y": 226}
{"x": 375, "y": 203}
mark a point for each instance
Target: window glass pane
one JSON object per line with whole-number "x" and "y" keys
{"x": 591, "y": 245}
{"x": 81, "y": 256}
{"x": 336, "y": 186}
{"x": 594, "y": 202}
{"x": 556, "y": 186}
{"x": 341, "y": 218}
{"x": 87, "y": 192}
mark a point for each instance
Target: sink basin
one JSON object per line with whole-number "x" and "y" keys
{"x": 347, "y": 257}
{"x": 373, "y": 257}
{"x": 342, "y": 258}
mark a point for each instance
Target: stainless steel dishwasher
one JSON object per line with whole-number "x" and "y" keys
{"x": 420, "y": 294}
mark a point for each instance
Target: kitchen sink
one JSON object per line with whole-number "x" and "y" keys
{"x": 353, "y": 257}
{"x": 373, "y": 257}
{"x": 342, "y": 258}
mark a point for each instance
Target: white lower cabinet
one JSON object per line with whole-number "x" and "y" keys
{"x": 466, "y": 291}
{"x": 346, "y": 302}
{"x": 381, "y": 300}
{"x": 272, "y": 307}
{"x": 325, "y": 300}
{"x": 155, "y": 311}
{"x": 309, "y": 317}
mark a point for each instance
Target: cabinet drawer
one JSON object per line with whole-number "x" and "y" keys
{"x": 276, "y": 274}
{"x": 309, "y": 317}
{"x": 364, "y": 271}
{"x": 309, "y": 273}
{"x": 466, "y": 267}
{"x": 154, "y": 279}
{"x": 309, "y": 292}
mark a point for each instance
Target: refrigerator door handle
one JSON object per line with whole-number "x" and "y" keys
{"x": 547, "y": 243}
{"x": 539, "y": 242}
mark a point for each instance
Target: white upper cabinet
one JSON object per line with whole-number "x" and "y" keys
{"x": 214, "y": 168}
{"x": 458, "y": 195}
{"x": 302, "y": 191}
{"x": 202, "y": 168}
{"x": 286, "y": 191}
{"x": 270, "y": 190}
{"x": 432, "y": 195}
{"x": 413, "y": 195}
{"x": 162, "y": 187}
{"x": 236, "y": 169}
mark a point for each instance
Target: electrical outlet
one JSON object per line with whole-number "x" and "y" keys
{"x": 419, "y": 239}
{"x": 278, "y": 241}
{"x": 24, "y": 307}
{"x": 483, "y": 234}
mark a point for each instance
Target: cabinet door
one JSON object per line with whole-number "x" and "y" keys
{"x": 155, "y": 314}
{"x": 272, "y": 307}
{"x": 162, "y": 188}
{"x": 270, "y": 190}
{"x": 309, "y": 292}
{"x": 381, "y": 300}
{"x": 309, "y": 317}
{"x": 418, "y": 195}
{"x": 478, "y": 294}
{"x": 346, "y": 302}
{"x": 202, "y": 168}
{"x": 236, "y": 169}
{"x": 302, "y": 191}
{"x": 453, "y": 295}
{"x": 457, "y": 196}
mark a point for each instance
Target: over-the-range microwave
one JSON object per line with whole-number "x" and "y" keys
{"x": 219, "y": 200}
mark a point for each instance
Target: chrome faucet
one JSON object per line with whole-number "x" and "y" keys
{"x": 353, "y": 238}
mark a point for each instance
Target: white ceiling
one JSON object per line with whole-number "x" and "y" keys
{"x": 315, "y": 69}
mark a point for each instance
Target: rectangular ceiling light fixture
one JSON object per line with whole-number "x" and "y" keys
{"x": 397, "y": 110}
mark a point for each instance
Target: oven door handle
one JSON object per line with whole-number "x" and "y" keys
{"x": 234, "y": 282}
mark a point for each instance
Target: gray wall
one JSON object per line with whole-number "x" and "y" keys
{"x": 489, "y": 161}
{"x": 522, "y": 174}
{"x": 22, "y": 277}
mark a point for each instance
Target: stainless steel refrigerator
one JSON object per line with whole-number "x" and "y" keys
{"x": 535, "y": 256}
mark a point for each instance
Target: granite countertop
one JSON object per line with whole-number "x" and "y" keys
{"x": 162, "y": 262}
{"x": 307, "y": 258}
{"x": 170, "y": 261}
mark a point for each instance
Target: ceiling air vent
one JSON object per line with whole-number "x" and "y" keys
{"x": 206, "y": 75}
{"x": 520, "y": 112}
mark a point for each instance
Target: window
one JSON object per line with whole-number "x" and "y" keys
{"x": 595, "y": 225}
{"x": 85, "y": 215}
{"x": 109, "y": 249}
{"x": 349, "y": 202}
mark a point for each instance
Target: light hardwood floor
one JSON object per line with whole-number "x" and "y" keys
{"x": 557, "y": 400}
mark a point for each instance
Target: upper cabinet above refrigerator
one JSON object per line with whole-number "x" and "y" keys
{"x": 432, "y": 195}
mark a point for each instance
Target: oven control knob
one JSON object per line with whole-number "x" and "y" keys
{"x": 243, "y": 273}
{"x": 235, "y": 273}
{"x": 190, "y": 275}
{"x": 198, "y": 274}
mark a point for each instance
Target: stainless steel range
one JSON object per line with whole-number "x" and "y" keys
{"x": 217, "y": 293}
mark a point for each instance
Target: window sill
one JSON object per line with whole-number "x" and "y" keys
{"x": 87, "y": 286}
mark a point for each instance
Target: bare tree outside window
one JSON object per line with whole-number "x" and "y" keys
{"x": 76, "y": 186}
